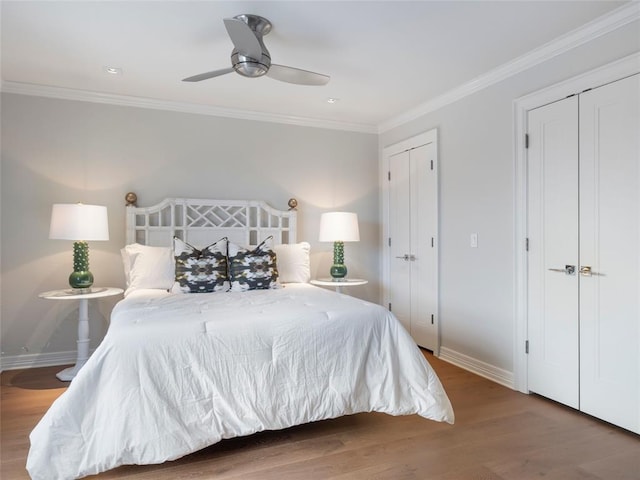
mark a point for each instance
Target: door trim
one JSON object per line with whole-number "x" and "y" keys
{"x": 424, "y": 138}
{"x": 611, "y": 72}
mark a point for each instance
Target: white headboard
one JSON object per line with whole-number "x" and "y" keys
{"x": 201, "y": 222}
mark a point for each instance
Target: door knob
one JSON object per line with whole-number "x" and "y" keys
{"x": 568, "y": 269}
{"x": 408, "y": 257}
{"x": 586, "y": 271}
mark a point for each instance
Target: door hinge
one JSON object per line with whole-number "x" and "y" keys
{"x": 432, "y": 319}
{"x": 389, "y": 241}
{"x": 432, "y": 242}
{"x": 526, "y": 346}
{"x": 526, "y": 140}
{"x": 526, "y": 244}
{"x": 431, "y": 164}
{"x": 389, "y": 175}
{"x": 389, "y": 306}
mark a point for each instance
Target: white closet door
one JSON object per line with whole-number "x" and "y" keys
{"x": 610, "y": 245}
{"x": 424, "y": 262}
{"x": 553, "y": 330}
{"x": 400, "y": 234}
{"x": 413, "y": 221}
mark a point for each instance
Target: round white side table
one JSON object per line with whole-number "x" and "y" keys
{"x": 338, "y": 284}
{"x": 67, "y": 374}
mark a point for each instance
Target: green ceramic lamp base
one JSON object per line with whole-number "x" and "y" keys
{"x": 338, "y": 270}
{"x": 81, "y": 278}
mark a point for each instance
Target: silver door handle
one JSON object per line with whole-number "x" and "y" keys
{"x": 408, "y": 257}
{"x": 585, "y": 271}
{"x": 568, "y": 269}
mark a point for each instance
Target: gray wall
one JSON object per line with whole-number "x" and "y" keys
{"x": 67, "y": 151}
{"x": 477, "y": 195}
{"x": 60, "y": 151}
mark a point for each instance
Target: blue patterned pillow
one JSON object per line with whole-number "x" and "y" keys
{"x": 253, "y": 269}
{"x": 200, "y": 271}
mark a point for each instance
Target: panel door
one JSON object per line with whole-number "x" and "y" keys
{"x": 400, "y": 234}
{"x": 413, "y": 290}
{"x": 610, "y": 246}
{"x": 553, "y": 328}
{"x": 424, "y": 260}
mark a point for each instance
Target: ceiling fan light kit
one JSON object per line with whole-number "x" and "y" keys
{"x": 250, "y": 57}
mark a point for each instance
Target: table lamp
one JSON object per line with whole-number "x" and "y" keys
{"x": 81, "y": 223}
{"x": 339, "y": 227}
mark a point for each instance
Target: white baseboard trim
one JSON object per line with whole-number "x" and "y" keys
{"x": 490, "y": 372}
{"x": 33, "y": 360}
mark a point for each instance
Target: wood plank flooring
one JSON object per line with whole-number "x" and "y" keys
{"x": 499, "y": 435}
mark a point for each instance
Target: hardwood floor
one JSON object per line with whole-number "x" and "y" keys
{"x": 499, "y": 435}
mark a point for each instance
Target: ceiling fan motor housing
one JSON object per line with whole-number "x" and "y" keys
{"x": 247, "y": 66}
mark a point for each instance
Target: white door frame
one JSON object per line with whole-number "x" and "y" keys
{"x": 424, "y": 138}
{"x": 611, "y": 72}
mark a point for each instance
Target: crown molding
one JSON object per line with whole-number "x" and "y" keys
{"x": 607, "y": 23}
{"x": 61, "y": 93}
{"x": 590, "y": 31}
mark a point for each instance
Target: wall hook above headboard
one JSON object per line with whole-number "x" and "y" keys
{"x": 293, "y": 204}
{"x": 131, "y": 199}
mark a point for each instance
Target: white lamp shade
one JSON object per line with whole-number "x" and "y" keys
{"x": 76, "y": 221}
{"x": 339, "y": 227}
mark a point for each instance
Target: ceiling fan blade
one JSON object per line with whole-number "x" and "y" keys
{"x": 296, "y": 75}
{"x": 243, "y": 38}
{"x": 204, "y": 76}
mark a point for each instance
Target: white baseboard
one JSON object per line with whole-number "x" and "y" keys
{"x": 490, "y": 372}
{"x": 33, "y": 360}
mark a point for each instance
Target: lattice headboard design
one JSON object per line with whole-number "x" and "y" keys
{"x": 201, "y": 222}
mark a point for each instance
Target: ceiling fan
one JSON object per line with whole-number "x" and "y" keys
{"x": 250, "y": 57}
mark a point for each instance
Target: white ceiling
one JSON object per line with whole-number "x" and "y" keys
{"x": 384, "y": 57}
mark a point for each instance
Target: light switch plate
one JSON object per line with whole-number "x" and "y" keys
{"x": 473, "y": 240}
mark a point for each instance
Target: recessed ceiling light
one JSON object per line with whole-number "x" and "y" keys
{"x": 112, "y": 70}
{"x": 332, "y": 100}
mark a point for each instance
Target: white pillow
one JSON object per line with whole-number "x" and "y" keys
{"x": 148, "y": 267}
{"x": 293, "y": 262}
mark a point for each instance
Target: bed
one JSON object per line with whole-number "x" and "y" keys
{"x": 177, "y": 371}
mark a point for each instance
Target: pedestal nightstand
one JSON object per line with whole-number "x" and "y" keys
{"x": 67, "y": 374}
{"x": 338, "y": 284}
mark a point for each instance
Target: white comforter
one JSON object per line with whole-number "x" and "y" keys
{"x": 176, "y": 373}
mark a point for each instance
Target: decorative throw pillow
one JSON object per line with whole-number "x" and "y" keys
{"x": 200, "y": 271}
{"x": 254, "y": 269}
{"x": 293, "y": 262}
